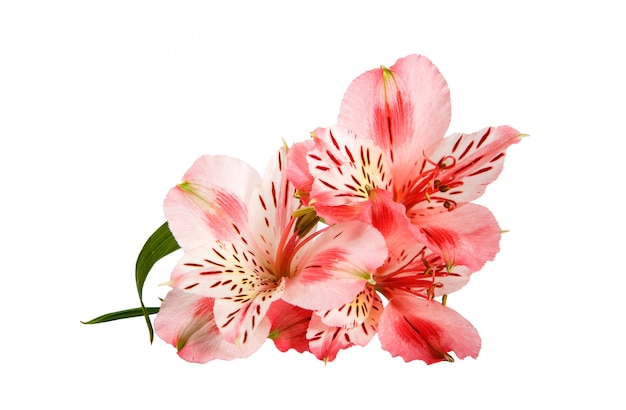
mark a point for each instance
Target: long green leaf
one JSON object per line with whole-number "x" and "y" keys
{"x": 160, "y": 244}
{"x": 122, "y": 314}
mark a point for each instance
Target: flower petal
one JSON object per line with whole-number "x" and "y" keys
{"x": 457, "y": 170}
{"x": 244, "y": 289}
{"x": 211, "y": 202}
{"x": 404, "y": 109}
{"x": 289, "y": 326}
{"x": 417, "y": 329}
{"x": 354, "y": 313}
{"x": 298, "y": 169}
{"x": 469, "y": 236}
{"x": 325, "y": 340}
{"x": 271, "y": 208}
{"x": 186, "y": 321}
{"x": 335, "y": 267}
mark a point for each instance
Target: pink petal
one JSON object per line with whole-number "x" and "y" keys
{"x": 417, "y": 329}
{"x": 298, "y": 169}
{"x": 326, "y": 341}
{"x": 244, "y": 289}
{"x": 335, "y": 267}
{"x": 354, "y": 313}
{"x": 457, "y": 170}
{"x": 289, "y": 326}
{"x": 469, "y": 236}
{"x": 186, "y": 321}
{"x": 404, "y": 109}
{"x": 270, "y": 209}
{"x": 211, "y": 202}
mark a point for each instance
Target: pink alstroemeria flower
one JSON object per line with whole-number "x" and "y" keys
{"x": 413, "y": 324}
{"x": 245, "y": 249}
{"x": 390, "y": 137}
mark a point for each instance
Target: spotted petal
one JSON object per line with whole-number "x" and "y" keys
{"x": 325, "y": 341}
{"x": 243, "y": 287}
{"x": 271, "y": 207}
{"x": 457, "y": 170}
{"x": 186, "y": 321}
{"x": 417, "y": 329}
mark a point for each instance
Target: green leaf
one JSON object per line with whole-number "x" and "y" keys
{"x": 160, "y": 244}
{"x": 122, "y": 314}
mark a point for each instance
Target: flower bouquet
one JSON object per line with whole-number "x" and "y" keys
{"x": 362, "y": 229}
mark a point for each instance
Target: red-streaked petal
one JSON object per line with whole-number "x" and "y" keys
{"x": 242, "y": 317}
{"x": 289, "y": 326}
{"x": 271, "y": 207}
{"x": 354, "y": 313}
{"x": 244, "y": 289}
{"x": 417, "y": 329}
{"x": 211, "y": 202}
{"x": 404, "y": 109}
{"x": 458, "y": 169}
{"x": 469, "y": 236}
{"x": 335, "y": 267}
{"x": 325, "y": 341}
{"x": 186, "y": 321}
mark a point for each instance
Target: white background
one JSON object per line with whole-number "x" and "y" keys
{"x": 105, "y": 104}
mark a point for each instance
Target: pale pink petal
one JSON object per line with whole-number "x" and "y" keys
{"x": 289, "y": 326}
{"x": 210, "y": 203}
{"x": 457, "y": 170}
{"x": 354, "y": 313}
{"x": 404, "y": 109}
{"x": 417, "y": 329}
{"x": 335, "y": 267}
{"x": 270, "y": 209}
{"x": 469, "y": 236}
{"x": 244, "y": 289}
{"x": 326, "y": 340}
{"x": 298, "y": 169}
{"x": 186, "y": 321}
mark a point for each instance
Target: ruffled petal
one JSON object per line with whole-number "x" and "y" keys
{"x": 211, "y": 202}
{"x": 186, "y": 321}
{"x": 335, "y": 267}
{"x": 354, "y": 313}
{"x": 289, "y": 326}
{"x": 417, "y": 329}
{"x": 469, "y": 236}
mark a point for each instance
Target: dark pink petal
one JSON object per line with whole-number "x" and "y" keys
{"x": 335, "y": 267}
{"x": 469, "y": 236}
{"x": 417, "y": 329}
{"x": 298, "y": 169}
{"x": 457, "y": 170}
{"x": 186, "y": 322}
{"x": 211, "y": 202}
{"x": 289, "y": 326}
{"x": 404, "y": 109}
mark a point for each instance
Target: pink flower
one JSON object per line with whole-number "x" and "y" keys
{"x": 245, "y": 250}
{"x": 390, "y": 137}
